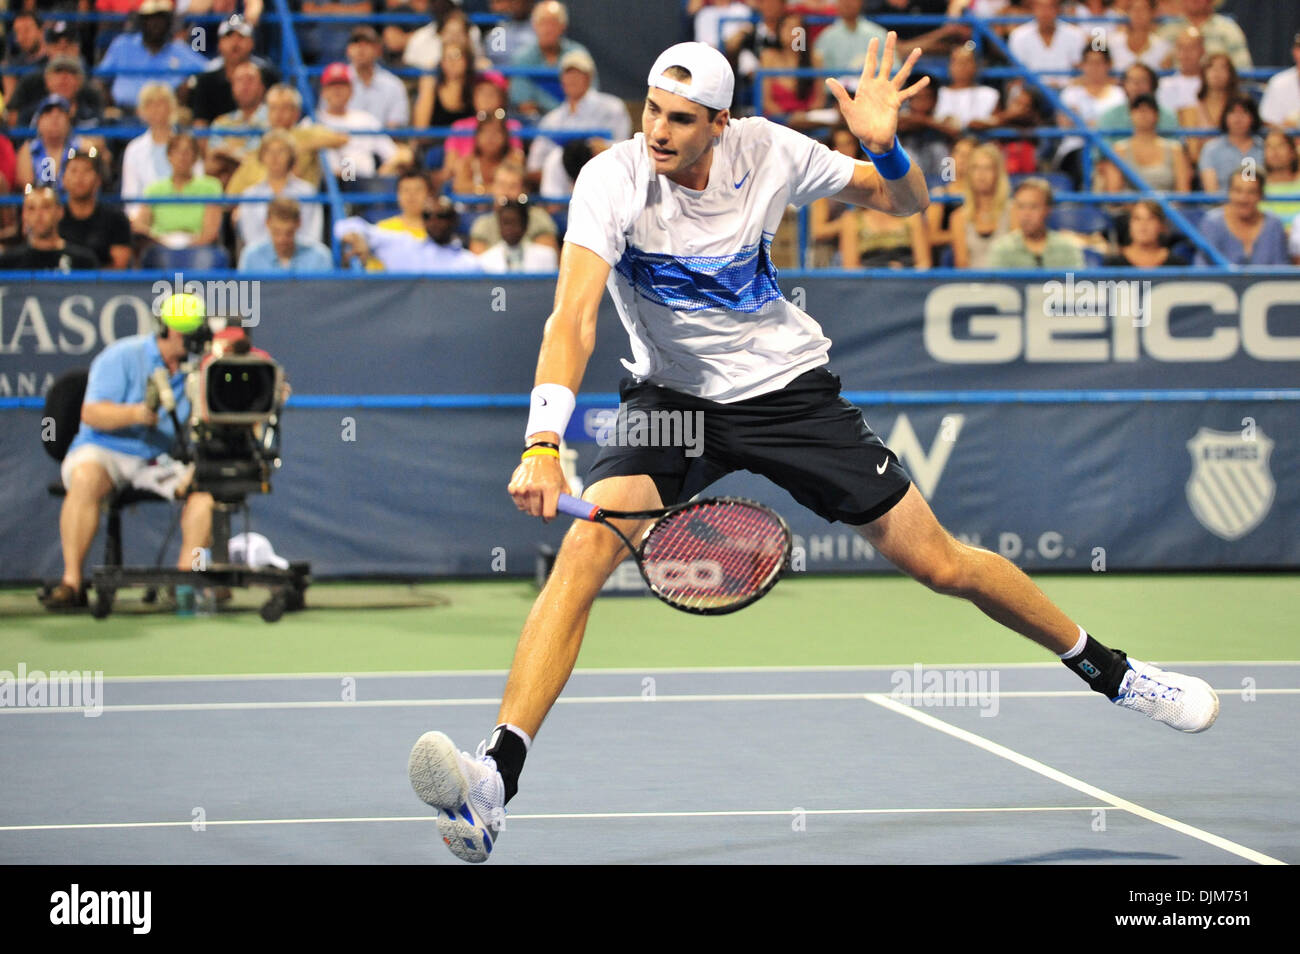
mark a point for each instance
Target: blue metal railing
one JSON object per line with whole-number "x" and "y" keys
{"x": 597, "y": 399}
{"x": 119, "y": 132}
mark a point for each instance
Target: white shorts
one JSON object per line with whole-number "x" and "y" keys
{"x": 161, "y": 477}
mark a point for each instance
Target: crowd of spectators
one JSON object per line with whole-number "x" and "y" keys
{"x": 452, "y": 141}
{"x": 226, "y": 133}
{"x": 1159, "y": 80}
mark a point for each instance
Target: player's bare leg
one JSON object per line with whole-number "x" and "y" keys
{"x": 470, "y": 792}
{"x": 911, "y": 538}
{"x": 548, "y": 647}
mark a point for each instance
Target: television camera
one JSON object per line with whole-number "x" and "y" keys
{"x": 231, "y": 442}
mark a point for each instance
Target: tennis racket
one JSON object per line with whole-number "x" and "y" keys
{"x": 710, "y": 556}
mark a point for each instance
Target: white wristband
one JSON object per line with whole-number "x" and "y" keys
{"x": 549, "y": 409}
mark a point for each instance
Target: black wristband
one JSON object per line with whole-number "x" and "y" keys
{"x": 554, "y": 447}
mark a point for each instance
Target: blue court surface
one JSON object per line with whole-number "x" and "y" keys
{"x": 1013, "y": 765}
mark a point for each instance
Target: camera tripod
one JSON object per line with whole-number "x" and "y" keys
{"x": 288, "y": 586}
{"x": 231, "y": 462}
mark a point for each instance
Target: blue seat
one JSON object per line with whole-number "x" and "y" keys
{"x": 1093, "y": 258}
{"x": 561, "y": 220}
{"x": 376, "y": 185}
{"x": 946, "y": 259}
{"x": 1085, "y": 219}
{"x": 933, "y": 182}
{"x": 322, "y": 43}
{"x": 1059, "y": 181}
{"x": 435, "y": 157}
{"x": 1194, "y": 213}
{"x": 195, "y": 259}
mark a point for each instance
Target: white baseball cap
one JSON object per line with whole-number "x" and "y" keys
{"x": 712, "y": 82}
{"x": 254, "y": 550}
{"x": 578, "y": 60}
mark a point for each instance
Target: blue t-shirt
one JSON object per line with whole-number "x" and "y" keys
{"x": 307, "y": 257}
{"x": 1225, "y": 159}
{"x": 120, "y": 374}
{"x": 128, "y": 50}
{"x": 1269, "y": 247}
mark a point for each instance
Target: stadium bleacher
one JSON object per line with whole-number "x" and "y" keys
{"x": 342, "y": 192}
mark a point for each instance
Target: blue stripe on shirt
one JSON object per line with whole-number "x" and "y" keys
{"x": 744, "y": 281}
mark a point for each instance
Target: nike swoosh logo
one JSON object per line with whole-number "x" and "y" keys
{"x": 543, "y": 400}
{"x": 883, "y": 464}
{"x": 742, "y": 181}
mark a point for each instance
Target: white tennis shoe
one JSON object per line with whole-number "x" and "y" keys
{"x": 468, "y": 792}
{"x": 1185, "y": 703}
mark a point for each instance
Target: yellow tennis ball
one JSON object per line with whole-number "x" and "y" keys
{"x": 184, "y": 312}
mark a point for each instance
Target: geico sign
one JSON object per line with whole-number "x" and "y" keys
{"x": 1007, "y": 323}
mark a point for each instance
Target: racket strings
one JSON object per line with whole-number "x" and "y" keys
{"x": 715, "y": 555}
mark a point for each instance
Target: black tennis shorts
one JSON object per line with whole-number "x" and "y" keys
{"x": 804, "y": 438}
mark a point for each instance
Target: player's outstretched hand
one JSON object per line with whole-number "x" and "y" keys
{"x": 871, "y": 113}
{"x": 536, "y": 485}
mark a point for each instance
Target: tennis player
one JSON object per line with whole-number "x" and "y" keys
{"x": 677, "y": 223}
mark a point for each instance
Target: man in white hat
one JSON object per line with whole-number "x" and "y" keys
{"x": 677, "y": 224}
{"x": 583, "y": 108}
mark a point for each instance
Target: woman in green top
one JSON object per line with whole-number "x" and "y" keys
{"x": 181, "y": 224}
{"x": 1282, "y": 164}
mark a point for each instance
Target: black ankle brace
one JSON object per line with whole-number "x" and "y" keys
{"x": 509, "y": 751}
{"x": 1100, "y": 667}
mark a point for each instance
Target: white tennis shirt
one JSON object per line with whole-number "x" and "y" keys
{"x": 691, "y": 274}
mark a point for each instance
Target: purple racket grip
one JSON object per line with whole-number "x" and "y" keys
{"x": 575, "y": 507}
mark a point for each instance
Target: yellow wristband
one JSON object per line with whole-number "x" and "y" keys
{"x": 539, "y": 452}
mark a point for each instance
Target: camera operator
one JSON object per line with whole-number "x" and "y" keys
{"x": 124, "y": 440}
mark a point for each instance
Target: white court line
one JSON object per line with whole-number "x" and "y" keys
{"x": 925, "y": 698}
{"x": 1070, "y": 781}
{"x": 626, "y": 671}
{"x": 652, "y": 670}
{"x": 556, "y": 816}
{"x": 443, "y": 703}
